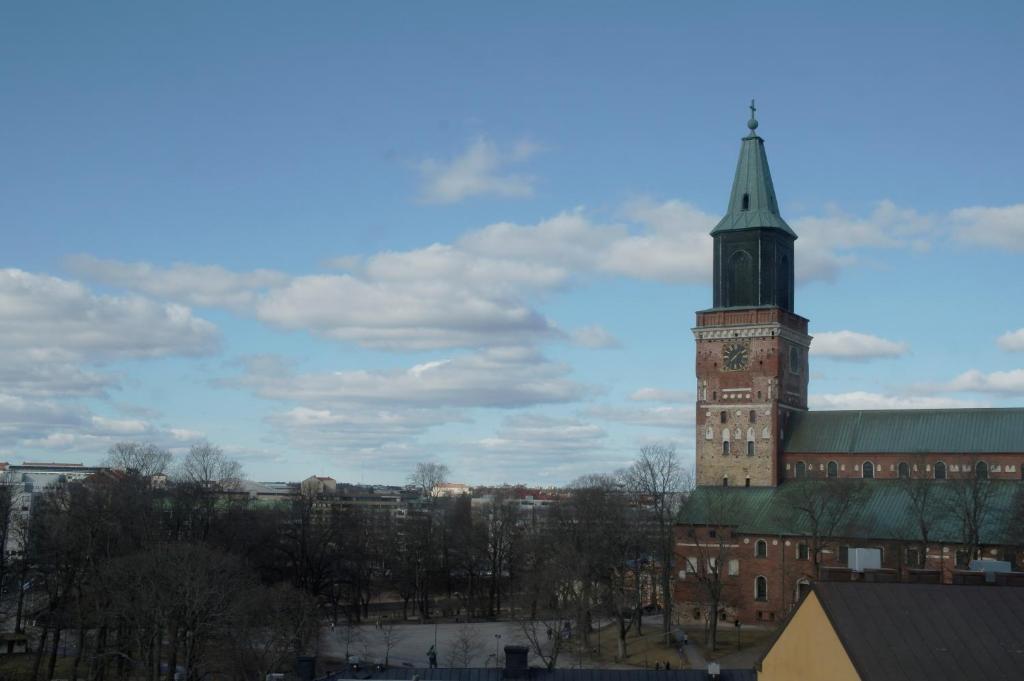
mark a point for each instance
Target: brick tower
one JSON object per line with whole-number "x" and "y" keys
{"x": 751, "y": 348}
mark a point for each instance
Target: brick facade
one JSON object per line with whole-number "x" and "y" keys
{"x": 1001, "y": 466}
{"x": 785, "y": 567}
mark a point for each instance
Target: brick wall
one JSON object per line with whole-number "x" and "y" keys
{"x": 784, "y": 569}
{"x": 886, "y": 466}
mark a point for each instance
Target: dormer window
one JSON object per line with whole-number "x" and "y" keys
{"x": 746, "y": 202}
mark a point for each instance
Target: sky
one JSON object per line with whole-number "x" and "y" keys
{"x": 344, "y": 238}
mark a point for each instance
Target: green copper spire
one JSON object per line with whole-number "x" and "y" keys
{"x": 752, "y": 204}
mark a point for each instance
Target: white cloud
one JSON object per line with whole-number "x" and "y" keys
{"x": 851, "y": 345}
{"x": 999, "y": 227}
{"x": 44, "y": 317}
{"x": 199, "y": 285}
{"x": 1004, "y": 382}
{"x": 1012, "y": 341}
{"x": 661, "y": 395}
{"x": 594, "y": 337}
{"x": 498, "y": 377}
{"x": 868, "y": 400}
{"x": 828, "y": 243}
{"x": 661, "y": 416}
{"x": 480, "y": 170}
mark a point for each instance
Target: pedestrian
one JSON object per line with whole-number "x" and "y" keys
{"x": 432, "y": 657}
{"x": 657, "y": 666}
{"x": 332, "y": 626}
{"x": 668, "y": 666}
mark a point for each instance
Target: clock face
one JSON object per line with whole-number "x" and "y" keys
{"x": 735, "y": 356}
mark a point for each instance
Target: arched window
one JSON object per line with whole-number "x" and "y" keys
{"x": 760, "y": 549}
{"x": 904, "y": 470}
{"x": 940, "y": 471}
{"x": 753, "y": 415}
{"x": 833, "y": 469}
{"x": 761, "y": 588}
{"x": 725, "y": 448}
{"x": 746, "y": 202}
{"x": 981, "y": 470}
{"x": 723, "y": 416}
{"x": 725, "y": 481}
{"x": 868, "y": 469}
{"x": 750, "y": 448}
{"x": 740, "y": 281}
{"x": 801, "y": 469}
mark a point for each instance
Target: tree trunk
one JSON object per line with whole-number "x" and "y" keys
{"x": 79, "y": 652}
{"x": 39, "y": 653}
{"x": 54, "y": 649}
{"x": 172, "y": 655}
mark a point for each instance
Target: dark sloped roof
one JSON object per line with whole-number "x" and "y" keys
{"x": 476, "y": 674}
{"x": 904, "y": 431}
{"x": 753, "y": 180}
{"x": 928, "y": 632}
{"x": 882, "y": 510}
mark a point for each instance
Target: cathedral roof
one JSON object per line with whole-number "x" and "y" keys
{"x": 906, "y": 431}
{"x": 752, "y": 204}
{"x": 883, "y": 510}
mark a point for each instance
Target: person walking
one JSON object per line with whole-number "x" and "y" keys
{"x": 432, "y": 657}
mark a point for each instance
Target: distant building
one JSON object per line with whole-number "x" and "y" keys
{"x": 755, "y": 433}
{"x": 888, "y": 632}
{"x": 450, "y": 489}
{"x": 316, "y": 485}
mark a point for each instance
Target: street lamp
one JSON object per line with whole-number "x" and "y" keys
{"x": 738, "y": 646}
{"x": 497, "y": 640}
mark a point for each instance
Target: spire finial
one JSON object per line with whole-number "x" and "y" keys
{"x": 752, "y": 123}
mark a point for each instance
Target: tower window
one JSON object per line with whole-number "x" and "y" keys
{"x": 725, "y": 481}
{"x": 753, "y": 416}
{"x": 761, "y": 549}
{"x": 904, "y": 469}
{"x": 833, "y": 469}
{"x": 723, "y": 416}
{"x": 981, "y": 470}
{"x": 761, "y": 589}
{"x": 868, "y": 469}
{"x": 746, "y": 202}
{"x": 748, "y": 481}
{"x": 725, "y": 448}
{"x": 750, "y": 448}
{"x": 940, "y": 471}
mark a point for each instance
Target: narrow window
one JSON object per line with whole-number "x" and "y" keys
{"x": 725, "y": 480}
{"x": 725, "y": 448}
{"x": 868, "y": 469}
{"x": 940, "y": 471}
{"x": 753, "y": 416}
{"x": 761, "y": 589}
{"x": 734, "y": 567}
{"x": 801, "y": 551}
{"x": 714, "y": 395}
{"x": 904, "y": 470}
{"x": 913, "y": 557}
{"x": 833, "y": 469}
{"x": 758, "y": 394}
{"x": 963, "y": 558}
{"x": 981, "y": 470}
{"x": 746, "y": 202}
{"x": 723, "y": 416}
{"x": 750, "y": 448}
{"x": 748, "y": 482}
{"x": 801, "y": 469}
{"x": 760, "y": 549}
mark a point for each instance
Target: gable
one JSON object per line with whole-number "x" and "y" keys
{"x": 807, "y": 649}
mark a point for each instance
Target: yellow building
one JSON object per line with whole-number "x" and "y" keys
{"x": 860, "y": 631}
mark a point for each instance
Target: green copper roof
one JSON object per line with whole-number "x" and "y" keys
{"x": 883, "y": 512}
{"x": 904, "y": 431}
{"x": 753, "y": 181}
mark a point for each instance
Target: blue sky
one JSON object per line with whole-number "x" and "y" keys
{"x": 342, "y": 238}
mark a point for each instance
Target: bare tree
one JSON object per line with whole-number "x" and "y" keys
{"x": 389, "y": 636}
{"x": 826, "y": 506}
{"x": 970, "y": 503}
{"x": 428, "y": 477}
{"x": 657, "y": 479}
{"x": 926, "y": 507}
{"x": 466, "y": 647}
{"x": 710, "y": 543}
{"x": 144, "y": 460}
{"x": 206, "y": 467}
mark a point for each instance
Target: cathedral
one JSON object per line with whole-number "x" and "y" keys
{"x": 785, "y": 493}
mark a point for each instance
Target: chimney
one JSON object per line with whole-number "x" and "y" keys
{"x": 516, "y": 662}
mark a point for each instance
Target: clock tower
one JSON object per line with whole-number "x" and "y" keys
{"x": 751, "y": 348}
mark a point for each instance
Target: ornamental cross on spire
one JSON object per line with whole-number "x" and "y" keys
{"x": 752, "y": 123}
